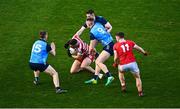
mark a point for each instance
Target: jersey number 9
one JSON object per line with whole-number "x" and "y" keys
{"x": 101, "y": 30}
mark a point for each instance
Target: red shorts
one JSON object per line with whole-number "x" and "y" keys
{"x": 91, "y": 57}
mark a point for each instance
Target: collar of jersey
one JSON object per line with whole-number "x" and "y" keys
{"x": 43, "y": 40}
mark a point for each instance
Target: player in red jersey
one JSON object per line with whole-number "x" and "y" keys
{"x": 124, "y": 58}
{"x": 81, "y": 55}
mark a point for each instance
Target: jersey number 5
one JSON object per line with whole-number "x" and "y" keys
{"x": 125, "y": 47}
{"x": 37, "y": 48}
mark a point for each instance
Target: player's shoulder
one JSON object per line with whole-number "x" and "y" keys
{"x": 130, "y": 41}
{"x": 99, "y": 17}
{"x": 116, "y": 44}
{"x": 41, "y": 41}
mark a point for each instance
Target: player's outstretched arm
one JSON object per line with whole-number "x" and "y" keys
{"x": 80, "y": 31}
{"x": 138, "y": 48}
{"x": 53, "y": 49}
{"x": 108, "y": 26}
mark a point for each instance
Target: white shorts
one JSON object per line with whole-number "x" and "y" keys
{"x": 132, "y": 67}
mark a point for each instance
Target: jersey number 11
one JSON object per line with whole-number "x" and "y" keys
{"x": 125, "y": 47}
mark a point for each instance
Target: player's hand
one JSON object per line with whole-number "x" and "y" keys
{"x": 92, "y": 51}
{"x": 115, "y": 65}
{"x": 146, "y": 53}
{"x": 53, "y": 45}
{"x": 79, "y": 58}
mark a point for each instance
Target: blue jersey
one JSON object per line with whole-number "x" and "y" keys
{"x": 98, "y": 32}
{"x": 39, "y": 52}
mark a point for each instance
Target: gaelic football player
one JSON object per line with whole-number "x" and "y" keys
{"x": 98, "y": 33}
{"x": 38, "y": 59}
{"x": 124, "y": 58}
{"x": 91, "y": 14}
{"x": 82, "y": 57}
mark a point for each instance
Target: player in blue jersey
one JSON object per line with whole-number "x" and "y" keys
{"x": 38, "y": 60}
{"x": 91, "y": 14}
{"x": 98, "y": 33}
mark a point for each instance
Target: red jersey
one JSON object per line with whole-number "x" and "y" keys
{"x": 83, "y": 47}
{"x": 125, "y": 51}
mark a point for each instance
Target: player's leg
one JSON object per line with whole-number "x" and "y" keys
{"x": 36, "y": 77}
{"x": 50, "y": 70}
{"x": 122, "y": 78}
{"x": 122, "y": 81}
{"x": 104, "y": 55}
{"x": 136, "y": 73}
{"x": 100, "y": 63}
{"x": 75, "y": 67}
{"x": 35, "y": 67}
{"x": 138, "y": 83}
{"x": 86, "y": 65}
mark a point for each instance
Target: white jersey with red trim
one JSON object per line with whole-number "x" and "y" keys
{"x": 83, "y": 47}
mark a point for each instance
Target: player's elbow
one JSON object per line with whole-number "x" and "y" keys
{"x": 108, "y": 27}
{"x": 98, "y": 62}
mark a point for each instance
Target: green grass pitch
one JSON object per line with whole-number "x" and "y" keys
{"x": 153, "y": 24}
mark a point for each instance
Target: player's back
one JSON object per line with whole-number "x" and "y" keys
{"x": 101, "y": 20}
{"x": 125, "y": 51}
{"x": 99, "y": 32}
{"x": 83, "y": 47}
{"x": 39, "y": 53}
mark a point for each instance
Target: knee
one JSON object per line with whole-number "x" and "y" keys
{"x": 54, "y": 73}
{"x": 97, "y": 62}
{"x": 83, "y": 67}
{"x": 73, "y": 71}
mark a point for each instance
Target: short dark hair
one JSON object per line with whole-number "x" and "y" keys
{"x": 73, "y": 42}
{"x": 90, "y": 19}
{"x": 42, "y": 34}
{"x": 120, "y": 34}
{"x": 90, "y": 11}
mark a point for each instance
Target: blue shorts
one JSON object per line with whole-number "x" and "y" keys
{"x": 109, "y": 48}
{"x": 38, "y": 67}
